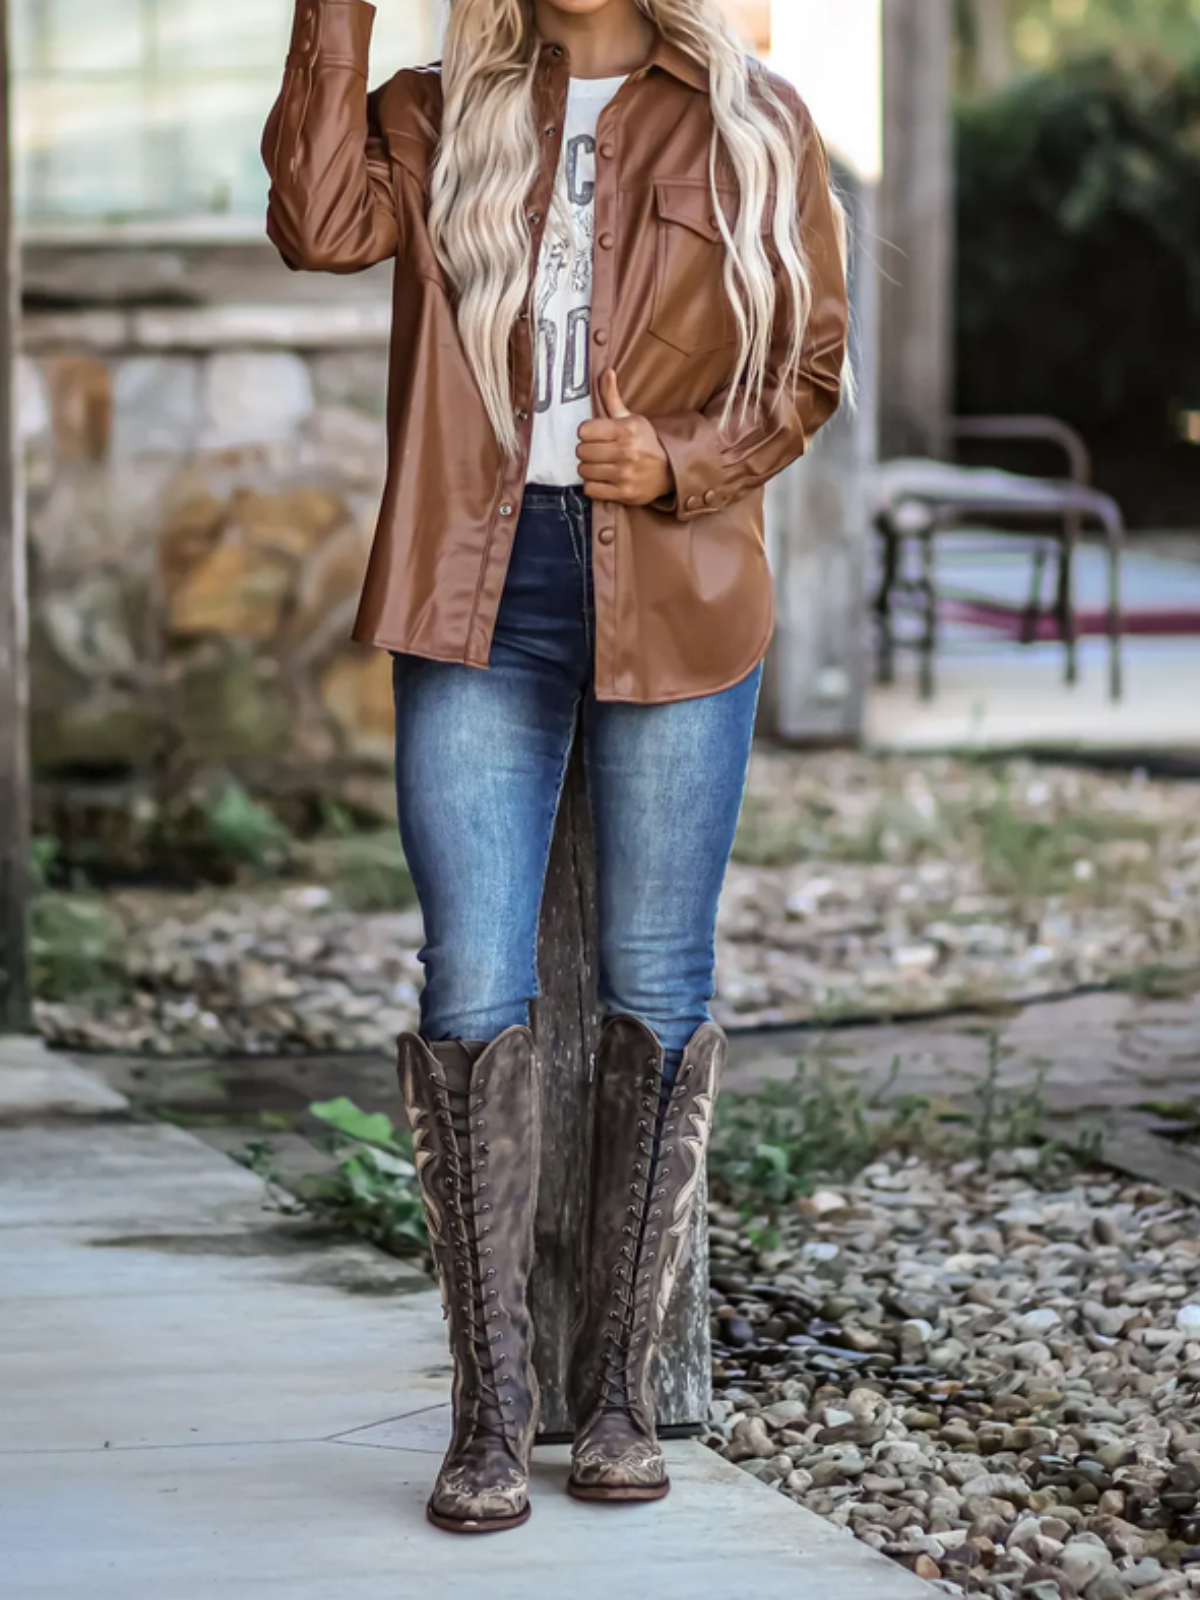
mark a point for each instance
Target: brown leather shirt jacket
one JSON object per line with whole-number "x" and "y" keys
{"x": 684, "y": 599}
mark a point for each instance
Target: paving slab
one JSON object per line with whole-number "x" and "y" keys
{"x": 34, "y": 1082}
{"x": 198, "y": 1399}
{"x": 324, "y": 1521}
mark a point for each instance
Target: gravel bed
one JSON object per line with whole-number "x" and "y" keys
{"x": 995, "y": 1383}
{"x": 864, "y": 886}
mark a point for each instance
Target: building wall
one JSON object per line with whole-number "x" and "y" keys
{"x": 201, "y": 503}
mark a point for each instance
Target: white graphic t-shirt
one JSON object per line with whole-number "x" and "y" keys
{"x": 563, "y": 307}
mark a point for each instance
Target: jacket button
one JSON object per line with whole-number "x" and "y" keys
{"x": 506, "y": 510}
{"x": 550, "y": 132}
{"x": 535, "y": 217}
{"x": 693, "y": 502}
{"x": 607, "y": 241}
{"x": 556, "y": 50}
{"x": 522, "y": 416}
{"x": 607, "y": 535}
{"x": 601, "y": 335}
{"x": 710, "y": 497}
{"x": 608, "y": 151}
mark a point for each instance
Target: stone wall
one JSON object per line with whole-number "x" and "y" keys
{"x": 202, "y": 482}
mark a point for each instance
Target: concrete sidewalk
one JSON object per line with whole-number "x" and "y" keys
{"x": 196, "y": 1401}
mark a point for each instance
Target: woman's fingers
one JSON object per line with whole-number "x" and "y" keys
{"x": 602, "y": 431}
{"x": 611, "y": 492}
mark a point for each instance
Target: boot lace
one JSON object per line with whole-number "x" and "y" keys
{"x": 632, "y": 1313}
{"x": 462, "y": 1115}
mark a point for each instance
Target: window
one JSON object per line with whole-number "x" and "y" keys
{"x": 151, "y": 111}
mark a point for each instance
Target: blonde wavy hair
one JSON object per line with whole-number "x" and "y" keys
{"x": 490, "y": 154}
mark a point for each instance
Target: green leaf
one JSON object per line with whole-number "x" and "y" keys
{"x": 351, "y": 1121}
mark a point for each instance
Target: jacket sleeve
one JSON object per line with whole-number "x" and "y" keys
{"x": 713, "y": 466}
{"x": 333, "y": 204}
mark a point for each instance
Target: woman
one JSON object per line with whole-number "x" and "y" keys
{"x": 620, "y": 308}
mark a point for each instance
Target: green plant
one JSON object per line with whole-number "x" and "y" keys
{"x": 1079, "y": 242}
{"x": 367, "y": 871}
{"x": 1160, "y": 981}
{"x": 76, "y": 945}
{"x": 787, "y": 1138}
{"x": 783, "y": 1140}
{"x": 1030, "y": 857}
{"x": 1006, "y": 1121}
{"x": 373, "y": 1190}
{"x": 242, "y": 829}
{"x": 43, "y": 862}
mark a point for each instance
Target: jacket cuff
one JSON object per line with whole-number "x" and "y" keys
{"x": 332, "y": 32}
{"x": 693, "y": 448}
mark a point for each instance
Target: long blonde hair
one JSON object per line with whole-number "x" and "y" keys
{"x": 490, "y": 155}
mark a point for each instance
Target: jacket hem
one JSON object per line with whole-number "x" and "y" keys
{"x": 670, "y": 697}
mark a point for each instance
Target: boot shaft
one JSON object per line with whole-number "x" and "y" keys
{"x": 649, "y": 1145}
{"x": 474, "y": 1110}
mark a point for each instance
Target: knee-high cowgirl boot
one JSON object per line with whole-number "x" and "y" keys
{"x": 476, "y": 1121}
{"x": 650, "y": 1142}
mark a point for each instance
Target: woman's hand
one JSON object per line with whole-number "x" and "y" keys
{"x": 621, "y": 458}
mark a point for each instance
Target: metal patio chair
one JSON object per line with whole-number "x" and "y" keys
{"x": 916, "y": 500}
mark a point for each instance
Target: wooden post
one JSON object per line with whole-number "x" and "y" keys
{"x": 15, "y": 983}
{"x": 817, "y": 531}
{"x": 567, "y": 1024}
{"x": 817, "y": 511}
{"x": 916, "y": 226}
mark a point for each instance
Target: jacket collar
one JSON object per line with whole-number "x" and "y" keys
{"x": 666, "y": 55}
{"x": 679, "y": 64}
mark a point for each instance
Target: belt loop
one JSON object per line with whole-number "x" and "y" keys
{"x": 582, "y": 507}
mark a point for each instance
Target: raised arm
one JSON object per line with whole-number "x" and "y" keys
{"x": 333, "y": 200}
{"x": 712, "y": 465}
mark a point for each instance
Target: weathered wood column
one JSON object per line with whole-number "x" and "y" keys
{"x": 567, "y": 1025}
{"x": 817, "y": 512}
{"x": 15, "y": 983}
{"x": 916, "y": 227}
{"x": 818, "y": 529}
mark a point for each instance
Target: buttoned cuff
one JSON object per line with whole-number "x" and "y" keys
{"x": 332, "y": 33}
{"x": 692, "y": 444}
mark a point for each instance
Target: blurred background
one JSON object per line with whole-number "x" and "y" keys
{"x": 203, "y": 441}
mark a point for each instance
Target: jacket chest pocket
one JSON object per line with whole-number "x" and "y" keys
{"x": 691, "y": 309}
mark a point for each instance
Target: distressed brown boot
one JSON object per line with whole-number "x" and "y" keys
{"x": 476, "y": 1118}
{"x": 649, "y": 1148}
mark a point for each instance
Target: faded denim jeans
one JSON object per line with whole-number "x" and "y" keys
{"x": 481, "y": 757}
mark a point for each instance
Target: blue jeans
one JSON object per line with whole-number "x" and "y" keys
{"x": 480, "y": 761}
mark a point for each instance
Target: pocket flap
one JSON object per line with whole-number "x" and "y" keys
{"x": 692, "y": 205}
